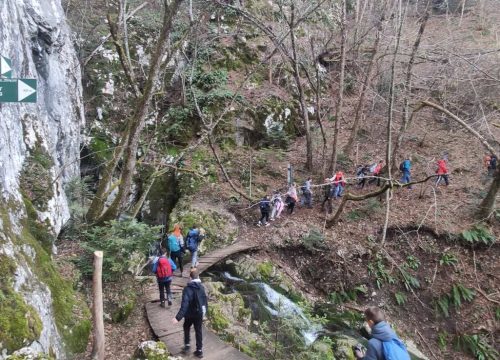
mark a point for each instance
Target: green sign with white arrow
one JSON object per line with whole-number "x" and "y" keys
{"x": 18, "y": 90}
{"x": 5, "y": 67}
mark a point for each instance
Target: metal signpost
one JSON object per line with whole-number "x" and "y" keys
{"x": 18, "y": 90}
{"x": 15, "y": 90}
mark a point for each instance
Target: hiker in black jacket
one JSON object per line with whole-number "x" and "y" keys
{"x": 194, "y": 306}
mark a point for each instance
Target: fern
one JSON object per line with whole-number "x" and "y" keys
{"x": 448, "y": 259}
{"x": 409, "y": 280}
{"x": 443, "y": 306}
{"x": 400, "y": 298}
{"x": 477, "y": 346}
{"x": 478, "y": 235}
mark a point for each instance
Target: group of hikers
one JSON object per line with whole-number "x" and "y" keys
{"x": 272, "y": 207}
{"x": 194, "y": 303}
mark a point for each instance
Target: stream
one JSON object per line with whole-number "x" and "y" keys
{"x": 267, "y": 304}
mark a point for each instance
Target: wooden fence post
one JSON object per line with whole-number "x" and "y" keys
{"x": 97, "y": 309}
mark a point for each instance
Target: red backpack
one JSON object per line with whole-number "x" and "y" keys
{"x": 164, "y": 268}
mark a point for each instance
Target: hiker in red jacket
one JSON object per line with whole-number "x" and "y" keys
{"x": 442, "y": 171}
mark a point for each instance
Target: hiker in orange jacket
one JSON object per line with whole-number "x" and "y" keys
{"x": 338, "y": 184}
{"x": 442, "y": 171}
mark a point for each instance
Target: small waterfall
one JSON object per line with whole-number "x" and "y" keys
{"x": 280, "y": 305}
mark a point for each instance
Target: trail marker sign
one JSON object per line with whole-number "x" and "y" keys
{"x": 5, "y": 67}
{"x": 18, "y": 90}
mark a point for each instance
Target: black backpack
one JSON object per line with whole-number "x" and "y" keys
{"x": 493, "y": 162}
{"x": 402, "y": 166}
{"x": 198, "y": 301}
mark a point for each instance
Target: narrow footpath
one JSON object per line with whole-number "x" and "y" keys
{"x": 172, "y": 335}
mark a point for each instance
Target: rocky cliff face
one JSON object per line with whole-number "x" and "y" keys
{"x": 39, "y": 151}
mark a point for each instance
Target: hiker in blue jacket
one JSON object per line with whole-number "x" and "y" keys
{"x": 405, "y": 168}
{"x": 193, "y": 239}
{"x": 384, "y": 343}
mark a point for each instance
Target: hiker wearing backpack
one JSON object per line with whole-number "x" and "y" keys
{"x": 384, "y": 343}
{"x": 307, "y": 193}
{"x": 265, "y": 207}
{"x": 442, "y": 172}
{"x": 277, "y": 203}
{"x": 375, "y": 171}
{"x": 175, "y": 243}
{"x": 405, "y": 168}
{"x": 328, "y": 194}
{"x": 361, "y": 173}
{"x": 291, "y": 198}
{"x": 194, "y": 306}
{"x": 193, "y": 240}
{"x": 164, "y": 267}
{"x": 492, "y": 166}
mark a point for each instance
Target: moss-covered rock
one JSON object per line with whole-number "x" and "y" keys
{"x": 151, "y": 350}
{"x": 343, "y": 347}
{"x": 218, "y": 320}
{"x": 28, "y": 354}
{"x": 19, "y": 322}
{"x": 220, "y": 225}
{"x": 123, "y": 310}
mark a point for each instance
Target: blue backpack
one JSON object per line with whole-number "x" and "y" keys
{"x": 395, "y": 350}
{"x": 192, "y": 240}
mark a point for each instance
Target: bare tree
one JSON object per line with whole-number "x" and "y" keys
{"x": 340, "y": 99}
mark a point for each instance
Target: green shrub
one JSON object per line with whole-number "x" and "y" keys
{"x": 478, "y": 235}
{"x": 314, "y": 240}
{"x": 123, "y": 243}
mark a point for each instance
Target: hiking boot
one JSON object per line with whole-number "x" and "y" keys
{"x": 267, "y": 224}
{"x": 198, "y": 354}
{"x": 169, "y": 302}
{"x": 162, "y": 304}
{"x": 186, "y": 348}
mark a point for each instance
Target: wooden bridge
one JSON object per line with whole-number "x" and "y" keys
{"x": 172, "y": 335}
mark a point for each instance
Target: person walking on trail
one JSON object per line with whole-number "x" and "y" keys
{"x": 194, "y": 306}
{"x": 164, "y": 267}
{"x": 492, "y": 166}
{"x": 338, "y": 184}
{"x": 384, "y": 343}
{"x": 175, "y": 243}
{"x": 486, "y": 162}
{"x": 328, "y": 194}
{"x": 278, "y": 205}
{"x": 265, "y": 208}
{"x": 405, "y": 168}
{"x": 291, "y": 198}
{"x": 442, "y": 172}
{"x": 307, "y": 192}
{"x": 193, "y": 239}
{"x": 375, "y": 170}
{"x": 361, "y": 173}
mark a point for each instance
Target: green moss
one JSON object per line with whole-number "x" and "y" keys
{"x": 100, "y": 148}
{"x": 30, "y": 357}
{"x": 266, "y": 270}
{"x": 123, "y": 311}
{"x": 71, "y": 313}
{"x": 217, "y": 319}
{"x": 151, "y": 350}
{"x": 19, "y": 322}
{"x": 40, "y": 231}
{"x": 36, "y": 179}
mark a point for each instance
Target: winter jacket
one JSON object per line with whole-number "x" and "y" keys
{"x": 292, "y": 193}
{"x": 380, "y": 332}
{"x": 164, "y": 268}
{"x": 339, "y": 179}
{"x": 377, "y": 169}
{"x": 174, "y": 243}
{"x": 189, "y": 304}
{"x": 442, "y": 170}
{"x": 406, "y": 166}
{"x": 265, "y": 205}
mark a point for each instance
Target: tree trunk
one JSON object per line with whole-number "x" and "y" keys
{"x": 487, "y": 206}
{"x": 362, "y": 94}
{"x": 97, "y": 308}
{"x": 390, "y": 118}
{"x": 407, "y": 87}
{"x": 302, "y": 100}
{"x": 139, "y": 118}
{"x": 340, "y": 100}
